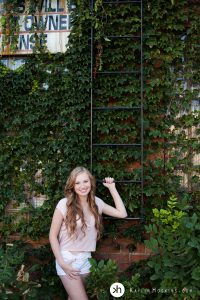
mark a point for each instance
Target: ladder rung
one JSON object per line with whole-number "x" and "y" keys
{"x": 127, "y": 218}
{"x": 121, "y": 2}
{"x": 121, "y": 181}
{"x": 123, "y": 36}
{"x": 118, "y": 72}
{"x": 116, "y": 108}
{"x": 116, "y": 145}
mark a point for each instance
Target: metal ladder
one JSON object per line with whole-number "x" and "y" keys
{"x": 137, "y": 109}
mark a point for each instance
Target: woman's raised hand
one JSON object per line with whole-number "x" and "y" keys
{"x": 109, "y": 182}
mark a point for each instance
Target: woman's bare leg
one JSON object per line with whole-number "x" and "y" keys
{"x": 74, "y": 287}
{"x": 83, "y": 276}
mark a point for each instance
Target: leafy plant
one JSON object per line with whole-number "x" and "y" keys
{"x": 175, "y": 246}
{"x": 103, "y": 274}
{"x": 133, "y": 289}
{"x": 15, "y": 275}
{"x": 28, "y": 273}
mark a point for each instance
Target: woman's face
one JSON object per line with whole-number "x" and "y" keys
{"x": 82, "y": 185}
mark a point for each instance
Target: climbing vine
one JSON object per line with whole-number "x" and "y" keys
{"x": 45, "y": 128}
{"x": 45, "y": 109}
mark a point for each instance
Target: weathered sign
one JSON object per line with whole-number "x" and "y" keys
{"x": 52, "y": 25}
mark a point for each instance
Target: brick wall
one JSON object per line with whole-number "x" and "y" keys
{"x": 117, "y": 248}
{"x": 114, "y": 248}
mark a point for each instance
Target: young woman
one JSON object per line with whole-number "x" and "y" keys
{"x": 76, "y": 226}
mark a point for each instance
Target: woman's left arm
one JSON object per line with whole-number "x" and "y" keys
{"x": 119, "y": 211}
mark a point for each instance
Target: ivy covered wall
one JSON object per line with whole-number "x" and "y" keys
{"x": 45, "y": 130}
{"x": 45, "y": 110}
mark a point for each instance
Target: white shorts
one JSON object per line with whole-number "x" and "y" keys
{"x": 77, "y": 261}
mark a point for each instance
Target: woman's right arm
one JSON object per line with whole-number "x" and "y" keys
{"x": 53, "y": 235}
{"x": 53, "y": 238}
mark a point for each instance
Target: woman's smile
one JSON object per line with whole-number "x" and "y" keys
{"x": 82, "y": 185}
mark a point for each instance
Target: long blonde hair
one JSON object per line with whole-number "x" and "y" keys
{"x": 74, "y": 209}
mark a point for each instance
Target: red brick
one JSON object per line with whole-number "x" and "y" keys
{"x": 124, "y": 249}
{"x": 108, "y": 249}
{"x": 100, "y": 256}
{"x": 123, "y": 266}
{"x": 137, "y": 257}
{"x": 140, "y": 249}
{"x": 34, "y": 243}
{"x": 120, "y": 258}
{"x": 127, "y": 223}
{"x": 123, "y": 243}
{"x": 148, "y": 251}
{"x": 106, "y": 242}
